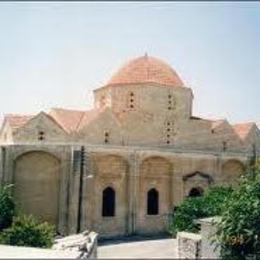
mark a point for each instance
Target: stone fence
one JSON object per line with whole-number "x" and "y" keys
{"x": 202, "y": 245}
{"x": 79, "y": 246}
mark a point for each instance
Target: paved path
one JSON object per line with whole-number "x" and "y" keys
{"x": 159, "y": 248}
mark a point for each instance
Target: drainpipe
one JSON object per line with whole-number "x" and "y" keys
{"x": 82, "y": 164}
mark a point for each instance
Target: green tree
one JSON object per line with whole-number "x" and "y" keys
{"x": 239, "y": 229}
{"x": 191, "y": 209}
{"x": 28, "y": 231}
{"x": 7, "y": 206}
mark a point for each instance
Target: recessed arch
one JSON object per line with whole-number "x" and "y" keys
{"x": 155, "y": 165}
{"x": 114, "y": 165}
{"x": 232, "y": 170}
{"x": 36, "y": 184}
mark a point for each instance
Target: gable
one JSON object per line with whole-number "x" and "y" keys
{"x": 41, "y": 124}
{"x": 103, "y": 124}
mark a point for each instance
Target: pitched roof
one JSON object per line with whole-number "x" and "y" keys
{"x": 74, "y": 120}
{"x": 69, "y": 119}
{"x": 17, "y": 121}
{"x": 217, "y": 123}
{"x": 243, "y": 129}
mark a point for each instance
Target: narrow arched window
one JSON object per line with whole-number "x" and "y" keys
{"x": 108, "y": 202}
{"x": 152, "y": 202}
{"x": 196, "y": 192}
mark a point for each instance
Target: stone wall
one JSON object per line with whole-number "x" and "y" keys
{"x": 189, "y": 245}
{"x": 203, "y": 245}
{"x": 209, "y": 248}
{"x": 131, "y": 172}
{"x": 81, "y": 246}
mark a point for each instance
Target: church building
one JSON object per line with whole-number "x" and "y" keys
{"x": 122, "y": 166}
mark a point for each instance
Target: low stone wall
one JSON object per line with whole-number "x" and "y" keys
{"x": 195, "y": 246}
{"x": 80, "y": 246}
{"x": 189, "y": 245}
{"x": 85, "y": 244}
{"x": 209, "y": 247}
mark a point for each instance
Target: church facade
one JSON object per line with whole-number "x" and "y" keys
{"x": 121, "y": 167}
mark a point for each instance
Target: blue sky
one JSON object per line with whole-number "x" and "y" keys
{"x": 55, "y": 54}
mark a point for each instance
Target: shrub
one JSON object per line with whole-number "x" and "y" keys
{"x": 7, "y": 206}
{"x": 239, "y": 229}
{"x": 27, "y": 231}
{"x": 191, "y": 209}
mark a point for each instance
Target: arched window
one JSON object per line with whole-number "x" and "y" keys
{"x": 108, "y": 202}
{"x": 152, "y": 202}
{"x": 196, "y": 192}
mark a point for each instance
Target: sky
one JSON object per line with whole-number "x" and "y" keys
{"x": 53, "y": 54}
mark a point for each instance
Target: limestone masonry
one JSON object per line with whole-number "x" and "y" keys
{"x": 121, "y": 167}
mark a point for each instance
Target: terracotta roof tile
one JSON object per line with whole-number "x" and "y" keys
{"x": 146, "y": 69}
{"x": 243, "y": 129}
{"x": 74, "y": 120}
{"x": 17, "y": 121}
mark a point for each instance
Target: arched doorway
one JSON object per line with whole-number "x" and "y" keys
{"x": 152, "y": 202}
{"x": 36, "y": 185}
{"x": 108, "y": 202}
{"x": 196, "y": 192}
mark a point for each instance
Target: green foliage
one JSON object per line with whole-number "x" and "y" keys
{"x": 7, "y": 206}
{"x": 199, "y": 207}
{"x": 239, "y": 229}
{"x": 27, "y": 231}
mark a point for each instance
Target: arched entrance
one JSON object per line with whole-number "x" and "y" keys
{"x": 196, "y": 192}
{"x": 36, "y": 185}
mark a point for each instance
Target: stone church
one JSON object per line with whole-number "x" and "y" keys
{"x": 121, "y": 167}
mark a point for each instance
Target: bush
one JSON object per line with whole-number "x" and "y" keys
{"x": 239, "y": 229}
{"x": 191, "y": 209}
{"x": 27, "y": 231}
{"x": 7, "y": 206}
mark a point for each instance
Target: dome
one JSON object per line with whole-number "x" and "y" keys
{"x": 146, "y": 69}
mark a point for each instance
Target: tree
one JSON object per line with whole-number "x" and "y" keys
{"x": 7, "y": 206}
{"x": 210, "y": 204}
{"x": 28, "y": 231}
{"x": 238, "y": 232}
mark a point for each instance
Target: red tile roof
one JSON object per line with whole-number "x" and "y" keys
{"x": 74, "y": 120}
{"x": 68, "y": 119}
{"x": 146, "y": 69}
{"x": 16, "y": 121}
{"x": 243, "y": 129}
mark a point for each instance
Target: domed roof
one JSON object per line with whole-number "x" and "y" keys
{"x": 146, "y": 69}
